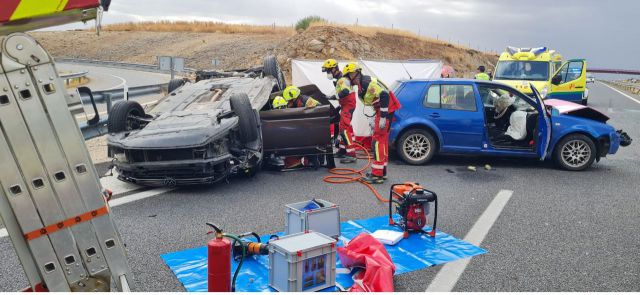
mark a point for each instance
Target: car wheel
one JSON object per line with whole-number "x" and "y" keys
{"x": 575, "y": 152}
{"x": 272, "y": 68}
{"x": 120, "y": 116}
{"x": 247, "y": 124}
{"x": 175, "y": 84}
{"x": 417, "y": 146}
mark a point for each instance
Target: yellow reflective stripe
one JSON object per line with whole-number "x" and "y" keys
{"x": 346, "y": 137}
{"x": 311, "y": 102}
{"x": 31, "y": 8}
{"x": 377, "y": 152}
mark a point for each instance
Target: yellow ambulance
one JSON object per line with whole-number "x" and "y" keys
{"x": 545, "y": 70}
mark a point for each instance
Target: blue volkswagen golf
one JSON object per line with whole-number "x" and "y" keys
{"x": 457, "y": 116}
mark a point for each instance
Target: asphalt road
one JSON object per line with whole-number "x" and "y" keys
{"x": 560, "y": 231}
{"x": 105, "y": 78}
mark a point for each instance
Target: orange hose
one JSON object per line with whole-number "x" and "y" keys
{"x": 349, "y": 175}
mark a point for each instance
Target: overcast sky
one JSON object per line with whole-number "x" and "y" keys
{"x": 605, "y": 32}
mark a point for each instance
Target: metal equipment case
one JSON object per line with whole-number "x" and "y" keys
{"x": 302, "y": 262}
{"x": 325, "y": 220}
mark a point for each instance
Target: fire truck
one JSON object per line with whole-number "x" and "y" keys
{"x": 51, "y": 201}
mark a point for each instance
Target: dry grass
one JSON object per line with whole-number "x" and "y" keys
{"x": 217, "y": 27}
{"x": 199, "y": 27}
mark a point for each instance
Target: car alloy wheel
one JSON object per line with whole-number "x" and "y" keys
{"x": 417, "y": 147}
{"x": 576, "y": 153}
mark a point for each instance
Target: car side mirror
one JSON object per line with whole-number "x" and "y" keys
{"x": 555, "y": 112}
{"x": 556, "y": 80}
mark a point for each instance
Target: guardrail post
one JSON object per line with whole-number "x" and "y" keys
{"x": 107, "y": 99}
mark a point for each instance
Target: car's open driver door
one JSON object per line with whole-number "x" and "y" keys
{"x": 298, "y": 131}
{"x": 544, "y": 124}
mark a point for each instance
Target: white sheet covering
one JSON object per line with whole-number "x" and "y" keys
{"x": 305, "y": 72}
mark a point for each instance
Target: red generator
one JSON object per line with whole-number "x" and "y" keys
{"x": 412, "y": 204}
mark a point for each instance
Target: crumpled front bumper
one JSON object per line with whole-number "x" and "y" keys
{"x": 625, "y": 139}
{"x": 173, "y": 173}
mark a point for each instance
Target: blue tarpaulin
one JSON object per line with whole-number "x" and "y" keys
{"x": 416, "y": 252}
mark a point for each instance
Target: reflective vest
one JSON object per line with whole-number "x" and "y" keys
{"x": 343, "y": 84}
{"x": 371, "y": 97}
{"x": 372, "y": 93}
{"x": 304, "y": 101}
{"x": 482, "y": 76}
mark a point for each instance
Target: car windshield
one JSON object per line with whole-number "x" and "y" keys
{"x": 522, "y": 70}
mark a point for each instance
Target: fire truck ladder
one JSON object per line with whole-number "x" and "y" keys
{"x": 51, "y": 200}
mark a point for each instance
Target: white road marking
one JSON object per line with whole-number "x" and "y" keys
{"x": 139, "y": 196}
{"x": 450, "y": 273}
{"x": 625, "y": 95}
{"x": 120, "y": 201}
{"x": 119, "y": 85}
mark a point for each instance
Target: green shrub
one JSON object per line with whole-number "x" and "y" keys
{"x": 304, "y": 23}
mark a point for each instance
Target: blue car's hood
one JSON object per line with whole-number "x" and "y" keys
{"x": 577, "y": 110}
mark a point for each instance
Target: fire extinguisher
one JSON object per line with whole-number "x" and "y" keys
{"x": 219, "y": 261}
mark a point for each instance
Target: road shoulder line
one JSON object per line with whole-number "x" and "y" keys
{"x": 624, "y": 94}
{"x": 450, "y": 273}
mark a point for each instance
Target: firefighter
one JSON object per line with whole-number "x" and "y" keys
{"x": 482, "y": 75}
{"x": 291, "y": 162}
{"x": 374, "y": 93}
{"x": 347, "y": 100}
{"x": 295, "y": 99}
{"x": 279, "y": 103}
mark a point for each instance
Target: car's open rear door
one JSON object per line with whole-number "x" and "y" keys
{"x": 544, "y": 125}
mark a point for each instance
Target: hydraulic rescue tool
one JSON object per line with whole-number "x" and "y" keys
{"x": 412, "y": 204}
{"x": 250, "y": 248}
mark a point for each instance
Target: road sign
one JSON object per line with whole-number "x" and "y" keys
{"x": 168, "y": 63}
{"x": 164, "y": 63}
{"x": 171, "y": 63}
{"x": 215, "y": 62}
{"x": 178, "y": 64}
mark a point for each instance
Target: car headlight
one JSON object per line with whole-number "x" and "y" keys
{"x": 544, "y": 92}
{"x": 121, "y": 157}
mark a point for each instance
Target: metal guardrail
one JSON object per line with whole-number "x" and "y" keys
{"x": 631, "y": 87}
{"x": 117, "y": 94}
{"x": 119, "y": 65}
{"x": 74, "y": 75}
{"x": 613, "y": 71}
{"x": 69, "y": 78}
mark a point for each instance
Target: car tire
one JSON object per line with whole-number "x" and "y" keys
{"x": 575, "y": 152}
{"x": 119, "y": 116}
{"x": 247, "y": 123}
{"x": 175, "y": 84}
{"x": 416, "y": 146}
{"x": 272, "y": 68}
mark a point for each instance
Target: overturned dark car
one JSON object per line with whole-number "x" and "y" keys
{"x": 218, "y": 126}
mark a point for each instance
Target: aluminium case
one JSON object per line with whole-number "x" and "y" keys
{"x": 302, "y": 262}
{"x": 325, "y": 220}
